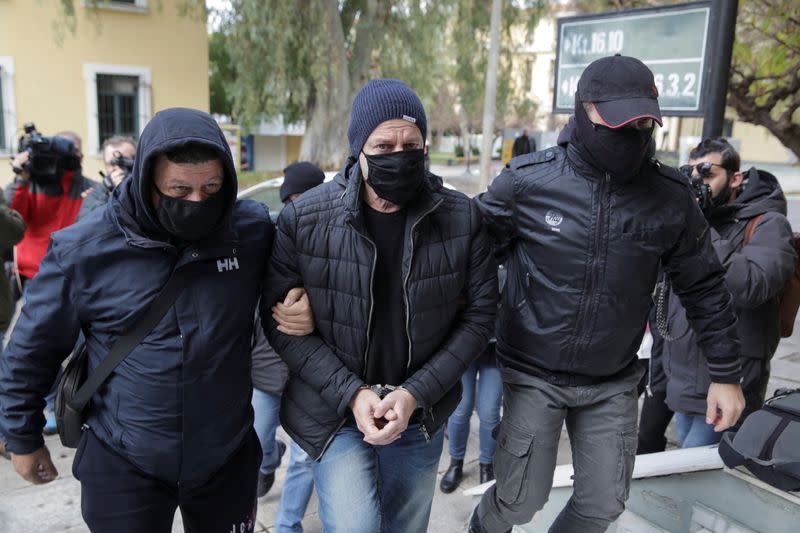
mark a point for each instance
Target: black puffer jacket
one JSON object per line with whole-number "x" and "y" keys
{"x": 451, "y": 297}
{"x": 583, "y": 253}
{"x": 755, "y": 275}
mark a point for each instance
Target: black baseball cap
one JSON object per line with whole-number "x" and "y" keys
{"x": 621, "y": 88}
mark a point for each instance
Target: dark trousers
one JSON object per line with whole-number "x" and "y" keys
{"x": 116, "y": 497}
{"x": 653, "y": 423}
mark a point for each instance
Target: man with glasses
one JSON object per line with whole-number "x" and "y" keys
{"x": 582, "y": 229}
{"x": 757, "y": 270}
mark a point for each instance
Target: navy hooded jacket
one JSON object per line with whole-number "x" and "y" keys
{"x": 179, "y": 405}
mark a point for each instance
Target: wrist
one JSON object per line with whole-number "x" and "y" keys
{"x": 358, "y": 391}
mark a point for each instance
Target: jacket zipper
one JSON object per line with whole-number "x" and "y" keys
{"x": 371, "y": 290}
{"x": 587, "y": 311}
{"x": 405, "y": 282}
{"x": 330, "y": 439}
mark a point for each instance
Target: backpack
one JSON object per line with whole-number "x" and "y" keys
{"x": 766, "y": 444}
{"x": 789, "y": 297}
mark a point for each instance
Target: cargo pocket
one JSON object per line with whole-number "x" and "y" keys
{"x": 514, "y": 446}
{"x": 627, "y": 457}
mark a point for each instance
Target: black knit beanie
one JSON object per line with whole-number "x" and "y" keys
{"x": 300, "y": 177}
{"x": 381, "y": 100}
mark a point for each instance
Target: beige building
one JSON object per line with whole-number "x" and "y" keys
{"x": 126, "y": 60}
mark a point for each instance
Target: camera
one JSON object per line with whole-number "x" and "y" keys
{"x": 125, "y": 163}
{"x": 47, "y": 154}
{"x": 702, "y": 192}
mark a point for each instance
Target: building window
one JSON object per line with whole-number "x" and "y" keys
{"x": 137, "y": 6}
{"x": 117, "y": 101}
{"x": 8, "y": 119}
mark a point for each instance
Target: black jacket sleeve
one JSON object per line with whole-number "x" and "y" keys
{"x": 309, "y": 357}
{"x": 760, "y": 270}
{"x": 43, "y": 337}
{"x": 497, "y": 206}
{"x": 698, "y": 279}
{"x": 470, "y": 336}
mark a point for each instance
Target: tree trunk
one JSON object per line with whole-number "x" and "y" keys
{"x": 325, "y": 139}
{"x": 490, "y": 98}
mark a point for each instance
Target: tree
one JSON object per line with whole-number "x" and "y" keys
{"x": 221, "y": 73}
{"x": 764, "y": 87}
{"x": 490, "y": 95}
{"x": 305, "y": 60}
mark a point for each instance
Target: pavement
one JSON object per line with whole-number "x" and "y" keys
{"x": 56, "y": 506}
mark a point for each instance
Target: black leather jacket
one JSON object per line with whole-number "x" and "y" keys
{"x": 582, "y": 252}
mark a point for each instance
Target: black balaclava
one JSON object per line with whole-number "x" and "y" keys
{"x": 397, "y": 177}
{"x": 620, "y": 152}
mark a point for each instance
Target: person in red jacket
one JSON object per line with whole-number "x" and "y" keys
{"x": 46, "y": 203}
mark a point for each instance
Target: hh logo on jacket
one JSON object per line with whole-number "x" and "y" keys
{"x": 228, "y": 264}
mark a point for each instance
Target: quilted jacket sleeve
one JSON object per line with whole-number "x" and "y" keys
{"x": 470, "y": 336}
{"x": 309, "y": 357}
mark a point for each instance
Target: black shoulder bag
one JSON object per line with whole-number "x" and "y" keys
{"x": 75, "y": 389}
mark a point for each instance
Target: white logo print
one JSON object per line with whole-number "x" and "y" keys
{"x": 227, "y": 265}
{"x": 554, "y": 219}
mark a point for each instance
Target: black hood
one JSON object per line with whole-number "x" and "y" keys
{"x": 759, "y": 193}
{"x": 168, "y": 129}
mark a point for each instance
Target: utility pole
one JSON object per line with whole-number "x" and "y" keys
{"x": 490, "y": 97}
{"x": 724, "y": 19}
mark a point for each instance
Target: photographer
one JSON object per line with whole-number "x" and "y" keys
{"x": 118, "y": 154}
{"x": 756, "y": 272}
{"x": 47, "y": 191}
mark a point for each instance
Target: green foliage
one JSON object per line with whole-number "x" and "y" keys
{"x": 765, "y": 74}
{"x": 221, "y": 73}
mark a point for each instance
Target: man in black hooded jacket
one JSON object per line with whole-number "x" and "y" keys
{"x": 583, "y": 228}
{"x": 755, "y": 273}
{"x": 172, "y": 427}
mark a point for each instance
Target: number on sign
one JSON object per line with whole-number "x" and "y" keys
{"x": 689, "y": 79}
{"x": 615, "y": 41}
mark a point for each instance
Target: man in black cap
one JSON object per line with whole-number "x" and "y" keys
{"x": 583, "y": 228}
{"x": 298, "y": 178}
{"x": 403, "y": 288}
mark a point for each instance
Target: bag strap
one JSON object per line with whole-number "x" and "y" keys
{"x": 750, "y": 228}
{"x": 125, "y": 344}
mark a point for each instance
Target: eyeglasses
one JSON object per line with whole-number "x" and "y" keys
{"x": 703, "y": 169}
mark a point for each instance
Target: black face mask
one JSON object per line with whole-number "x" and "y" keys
{"x": 190, "y": 221}
{"x": 397, "y": 177}
{"x": 620, "y": 152}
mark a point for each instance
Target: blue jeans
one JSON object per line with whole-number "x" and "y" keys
{"x": 490, "y": 393}
{"x": 693, "y": 431}
{"x": 297, "y": 488}
{"x": 267, "y": 406}
{"x": 369, "y": 489}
